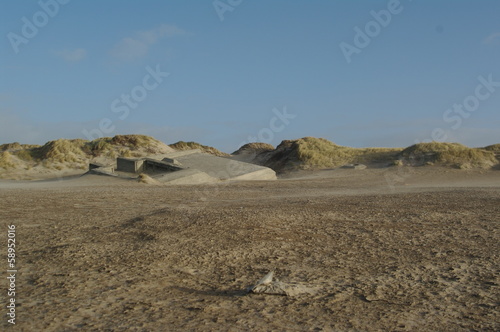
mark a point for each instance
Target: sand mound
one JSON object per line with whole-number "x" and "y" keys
{"x": 6, "y": 160}
{"x": 254, "y": 148}
{"x": 317, "y": 153}
{"x": 182, "y": 146}
{"x": 256, "y": 153}
{"x": 320, "y": 153}
{"x": 61, "y": 150}
{"x": 447, "y": 154}
{"x": 495, "y": 148}
{"x": 16, "y": 146}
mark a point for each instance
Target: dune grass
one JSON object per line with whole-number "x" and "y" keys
{"x": 17, "y": 146}
{"x": 61, "y": 151}
{"x": 321, "y": 153}
{"x": 493, "y": 148}
{"x": 133, "y": 141}
{"x": 6, "y": 160}
{"x": 304, "y": 153}
{"x": 182, "y": 146}
{"x": 24, "y": 155}
{"x": 256, "y": 147}
{"x": 10, "y": 146}
{"x": 98, "y": 147}
{"x": 447, "y": 154}
{"x": 76, "y": 153}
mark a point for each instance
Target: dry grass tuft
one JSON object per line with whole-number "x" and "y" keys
{"x": 144, "y": 178}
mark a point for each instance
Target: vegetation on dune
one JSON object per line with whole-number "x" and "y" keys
{"x": 317, "y": 153}
{"x": 10, "y": 146}
{"x": 133, "y": 141}
{"x": 61, "y": 150}
{"x": 25, "y": 155}
{"x": 17, "y": 146}
{"x": 125, "y": 153}
{"x": 447, "y": 154}
{"x": 320, "y": 152}
{"x": 310, "y": 152}
{"x": 494, "y": 148}
{"x": 6, "y": 160}
{"x": 254, "y": 148}
{"x": 378, "y": 155}
{"x": 76, "y": 153}
{"x": 98, "y": 147}
{"x": 78, "y": 150}
{"x": 182, "y": 146}
{"x": 303, "y": 153}
{"x": 144, "y": 178}
{"x": 122, "y": 145}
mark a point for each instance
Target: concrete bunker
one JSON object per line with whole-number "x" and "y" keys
{"x": 129, "y": 165}
{"x": 185, "y": 167}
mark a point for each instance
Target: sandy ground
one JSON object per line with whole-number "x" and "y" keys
{"x": 380, "y": 250}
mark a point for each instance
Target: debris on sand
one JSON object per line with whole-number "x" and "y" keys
{"x": 354, "y": 166}
{"x": 268, "y": 286}
{"x": 144, "y": 178}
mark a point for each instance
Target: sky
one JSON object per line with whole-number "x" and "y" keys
{"x": 229, "y": 72}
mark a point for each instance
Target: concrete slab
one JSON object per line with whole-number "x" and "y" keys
{"x": 186, "y": 176}
{"x": 186, "y": 167}
{"x": 224, "y": 168}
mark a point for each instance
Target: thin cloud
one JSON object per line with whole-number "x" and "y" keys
{"x": 72, "y": 55}
{"x": 137, "y": 46}
{"x": 492, "y": 39}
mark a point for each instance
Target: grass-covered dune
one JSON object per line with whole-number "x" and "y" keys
{"x": 76, "y": 153}
{"x": 20, "y": 160}
{"x": 320, "y": 153}
{"x": 493, "y": 148}
{"x": 317, "y": 153}
{"x": 182, "y": 146}
{"x": 447, "y": 154}
{"x": 254, "y": 148}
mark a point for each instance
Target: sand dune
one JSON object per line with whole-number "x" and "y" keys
{"x": 62, "y": 157}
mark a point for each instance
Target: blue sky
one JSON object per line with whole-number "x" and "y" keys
{"x": 230, "y": 71}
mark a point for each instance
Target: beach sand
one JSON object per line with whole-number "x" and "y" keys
{"x": 396, "y": 249}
